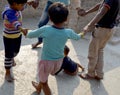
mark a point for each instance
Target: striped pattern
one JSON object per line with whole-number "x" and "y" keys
{"x": 11, "y": 28}
{"x": 8, "y": 62}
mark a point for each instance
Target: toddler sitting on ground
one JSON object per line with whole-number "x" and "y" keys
{"x": 69, "y": 66}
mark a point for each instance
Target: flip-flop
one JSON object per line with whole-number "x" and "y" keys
{"x": 86, "y": 76}
{"x": 36, "y": 86}
{"x": 98, "y": 78}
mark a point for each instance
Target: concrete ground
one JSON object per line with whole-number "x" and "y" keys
{"x": 62, "y": 84}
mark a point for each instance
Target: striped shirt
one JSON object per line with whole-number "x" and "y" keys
{"x": 11, "y": 20}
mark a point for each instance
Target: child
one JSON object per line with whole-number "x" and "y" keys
{"x": 12, "y": 21}
{"x": 54, "y": 39}
{"x": 104, "y": 21}
{"x": 69, "y": 66}
{"x": 44, "y": 19}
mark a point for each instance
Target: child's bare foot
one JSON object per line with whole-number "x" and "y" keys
{"x": 37, "y": 87}
{"x": 9, "y": 78}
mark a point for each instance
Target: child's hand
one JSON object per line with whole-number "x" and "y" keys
{"x": 82, "y": 34}
{"x": 24, "y": 31}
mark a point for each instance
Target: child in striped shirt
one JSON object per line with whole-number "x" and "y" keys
{"x": 12, "y": 33}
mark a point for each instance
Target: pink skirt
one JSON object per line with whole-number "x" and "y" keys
{"x": 47, "y": 67}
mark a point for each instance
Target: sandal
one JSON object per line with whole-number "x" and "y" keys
{"x": 86, "y": 76}
{"x": 37, "y": 87}
{"x": 98, "y": 78}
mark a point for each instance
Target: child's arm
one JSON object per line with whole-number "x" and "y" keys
{"x": 34, "y": 33}
{"x": 23, "y": 30}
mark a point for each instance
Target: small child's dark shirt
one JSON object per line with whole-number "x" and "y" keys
{"x": 69, "y": 65}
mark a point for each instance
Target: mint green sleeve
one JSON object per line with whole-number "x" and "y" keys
{"x": 73, "y": 35}
{"x": 34, "y": 33}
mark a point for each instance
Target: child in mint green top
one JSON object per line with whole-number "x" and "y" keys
{"x": 44, "y": 19}
{"x": 54, "y": 39}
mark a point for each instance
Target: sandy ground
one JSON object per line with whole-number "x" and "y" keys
{"x": 62, "y": 84}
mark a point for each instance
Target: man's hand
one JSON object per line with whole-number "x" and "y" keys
{"x": 82, "y": 12}
{"x": 34, "y": 3}
{"x": 88, "y": 28}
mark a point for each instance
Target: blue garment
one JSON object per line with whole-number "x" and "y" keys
{"x": 108, "y": 20}
{"x": 11, "y": 20}
{"x": 11, "y": 34}
{"x": 45, "y": 18}
{"x": 69, "y": 64}
{"x": 54, "y": 40}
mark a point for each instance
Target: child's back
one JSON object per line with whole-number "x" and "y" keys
{"x": 54, "y": 40}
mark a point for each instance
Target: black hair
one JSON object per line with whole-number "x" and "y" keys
{"x": 66, "y": 50}
{"x": 17, "y": 1}
{"x": 58, "y": 12}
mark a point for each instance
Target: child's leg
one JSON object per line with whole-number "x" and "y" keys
{"x": 37, "y": 86}
{"x": 9, "y": 63}
{"x": 8, "y": 76}
{"x": 45, "y": 88}
{"x": 41, "y": 85}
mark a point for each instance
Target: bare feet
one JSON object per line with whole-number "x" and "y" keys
{"x": 9, "y": 78}
{"x": 37, "y": 87}
{"x": 36, "y": 44}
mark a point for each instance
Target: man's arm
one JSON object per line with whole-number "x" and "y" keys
{"x": 96, "y": 19}
{"x": 82, "y": 12}
{"x": 93, "y": 9}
